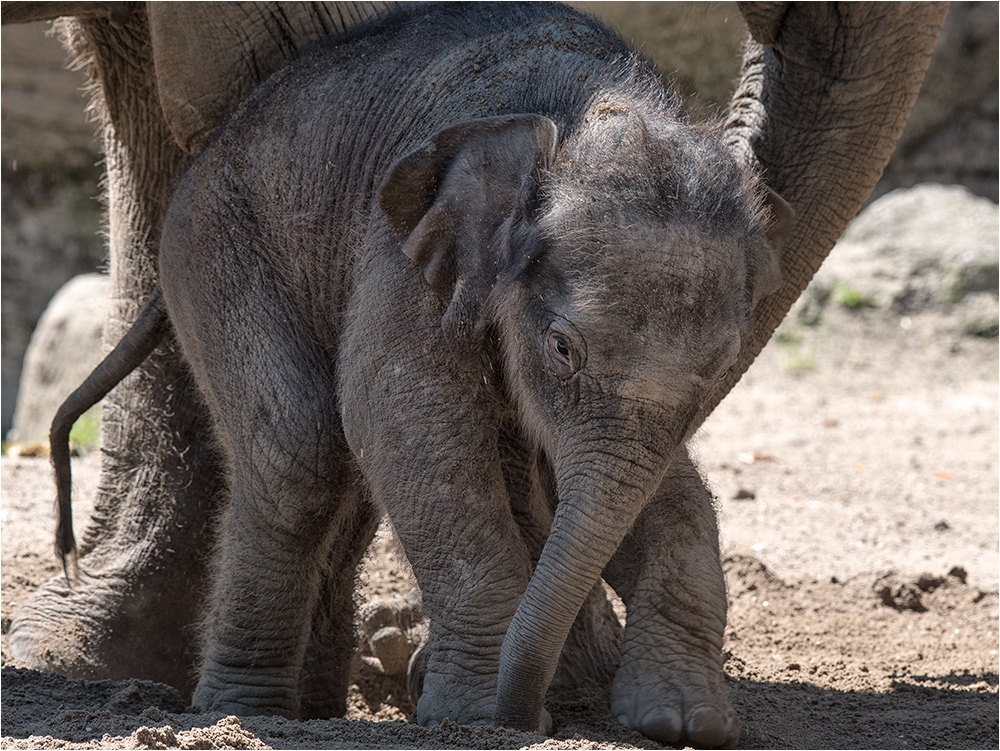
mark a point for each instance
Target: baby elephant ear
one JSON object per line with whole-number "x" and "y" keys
{"x": 449, "y": 198}
{"x": 782, "y": 219}
{"x": 767, "y": 264}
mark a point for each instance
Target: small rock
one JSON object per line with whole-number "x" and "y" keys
{"x": 399, "y": 610}
{"x": 928, "y": 583}
{"x": 959, "y": 573}
{"x": 390, "y": 645}
{"x": 37, "y": 449}
{"x": 744, "y": 495}
{"x": 942, "y": 526}
{"x": 899, "y": 596}
{"x": 147, "y": 737}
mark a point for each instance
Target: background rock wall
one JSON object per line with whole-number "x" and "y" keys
{"x": 49, "y": 176}
{"x": 951, "y": 136}
{"x": 50, "y": 172}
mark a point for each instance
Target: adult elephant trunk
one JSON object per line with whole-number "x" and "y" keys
{"x": 600, "y": 495}
{"x": 825, "y": 91}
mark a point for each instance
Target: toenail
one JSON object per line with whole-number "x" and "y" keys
{"x": 706, "y": 728}
{"x": 662, "y": 724}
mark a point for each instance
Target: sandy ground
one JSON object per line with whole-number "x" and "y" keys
{"x": 856, "y": 467}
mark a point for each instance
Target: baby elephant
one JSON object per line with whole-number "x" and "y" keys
{"x": 469, "y": 267}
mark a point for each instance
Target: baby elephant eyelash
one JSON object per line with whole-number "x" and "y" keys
{"x": 561, "y": 349}
{"x": 565, "y": 352}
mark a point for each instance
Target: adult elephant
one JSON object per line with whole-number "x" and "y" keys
{"x": 164, "y": 75}
{"x": 824, "y": 95}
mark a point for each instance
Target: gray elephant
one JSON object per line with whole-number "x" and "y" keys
{"x": 466, "y": 301}
{"x": 164, "y": 75}
{"x": 802, "y": 115}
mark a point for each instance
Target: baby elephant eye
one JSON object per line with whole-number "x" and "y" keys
{"x": 561, "y": 349}
{"x": 564, "y": 349}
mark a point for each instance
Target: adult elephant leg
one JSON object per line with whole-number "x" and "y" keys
{"x": 670, "y": 684}
{"x": 142, "y": 558}
{"x": 326, "y": 666}
{"x": 422, "y": 424}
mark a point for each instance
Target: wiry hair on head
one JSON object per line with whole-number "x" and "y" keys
{"x": 636, "y": 155}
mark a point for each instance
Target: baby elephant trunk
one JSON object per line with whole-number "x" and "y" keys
{"x": 594, "y": 514}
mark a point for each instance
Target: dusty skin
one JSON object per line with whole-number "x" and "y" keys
{"x": 856, "y": 471}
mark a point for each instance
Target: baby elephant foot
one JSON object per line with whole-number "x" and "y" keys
{"x": 266, "y": 695}
{"x": 678, "y": 703}
{"x": 443, "y": 695}
{"x": 430, "y": 713}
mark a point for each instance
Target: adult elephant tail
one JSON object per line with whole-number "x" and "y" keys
{"x": 138, "y": 343}
{"x": 825, "y": 91}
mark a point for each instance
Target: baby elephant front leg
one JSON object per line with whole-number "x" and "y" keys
{"x": 422, "y": 427}
{"x": 453, "y": 519}
{"x": 670, "y": 683}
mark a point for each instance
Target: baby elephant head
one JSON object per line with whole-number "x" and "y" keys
{"x": 619, "y": 268}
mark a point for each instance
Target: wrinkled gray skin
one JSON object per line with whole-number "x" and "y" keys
{"x": 802, "y": 114}
{"x": 143, "y": 557}
{"x": 414, "y": 300}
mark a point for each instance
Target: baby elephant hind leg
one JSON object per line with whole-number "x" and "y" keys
{"x": 670, "y": 683}
{"x": 327, "y": 663}
{"x": 274, "y": 406}
{"x": 290, "y": 513}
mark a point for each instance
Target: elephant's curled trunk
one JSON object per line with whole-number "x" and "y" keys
{"x": 591, "y": 520}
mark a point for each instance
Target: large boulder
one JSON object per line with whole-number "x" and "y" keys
{"x": 64, "y": 348}
{"x": 932, "y": 247}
